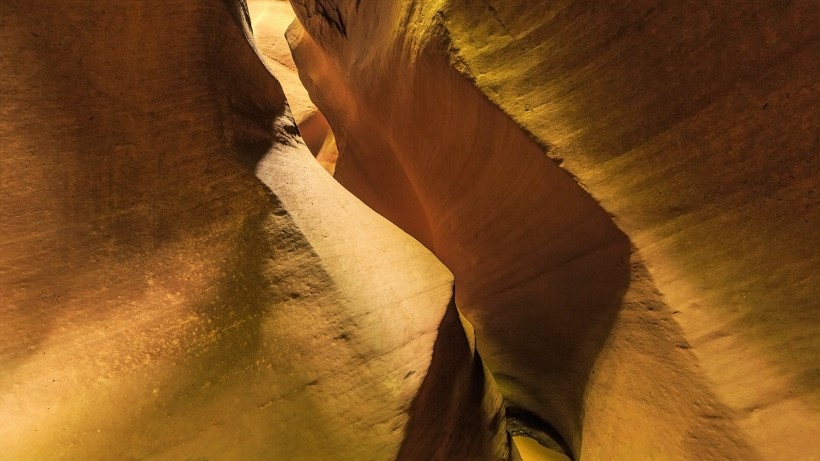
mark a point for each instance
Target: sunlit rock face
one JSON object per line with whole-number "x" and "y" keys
{"x": 181, "y": 280}
{"x": 625, "y": 192}
{"x": 270, "y": 19}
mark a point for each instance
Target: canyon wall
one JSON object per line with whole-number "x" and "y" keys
{"x": 625, "y": 193}
{"x": 179, "y": 279}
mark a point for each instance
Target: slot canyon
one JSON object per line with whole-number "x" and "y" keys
{"x": 418, "y": 230}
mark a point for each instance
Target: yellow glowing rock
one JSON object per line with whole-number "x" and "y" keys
{"x": 530, "y": 450}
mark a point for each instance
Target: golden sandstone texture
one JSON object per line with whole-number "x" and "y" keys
{"x": 590, "y": 225}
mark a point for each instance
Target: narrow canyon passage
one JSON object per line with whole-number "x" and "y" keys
{"x": 542, "y": 305}
{"x": 543, "y": 294}
{"x": 567, "y": 312}
{"x": 270, "y": 20}
{"x": 431, "y": 230}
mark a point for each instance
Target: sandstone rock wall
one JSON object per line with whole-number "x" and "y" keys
{"x": 179, "y": 279}
{"x": 625, "y": 193}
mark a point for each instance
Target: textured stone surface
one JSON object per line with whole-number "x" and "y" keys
{"x": 179, "y": 279}
{"x": 626, "y": 195}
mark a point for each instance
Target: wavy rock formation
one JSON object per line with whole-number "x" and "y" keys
{"x": 270, "y": 19}
{"x": 625, "y": 193}
{"x": 179, "y": 279}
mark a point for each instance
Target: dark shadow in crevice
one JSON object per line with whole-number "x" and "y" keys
{"x": 523, "y": 423}
{"x": 446, "y": 419}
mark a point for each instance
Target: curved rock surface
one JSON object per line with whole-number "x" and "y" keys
{"x": 180, "y": 280}
{"x": 270, "y": 19}
{"x": 626, "y": 195}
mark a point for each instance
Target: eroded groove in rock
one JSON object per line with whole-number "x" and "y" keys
{"x": 456, "y": 390}
{"x": 170, "y": 288}
{"x": 599, "y": 329}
